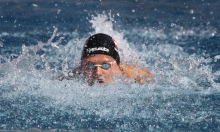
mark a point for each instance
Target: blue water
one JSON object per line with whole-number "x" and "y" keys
{"x": 178, "y": 41}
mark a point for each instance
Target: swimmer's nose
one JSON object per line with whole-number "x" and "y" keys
{"x": 98, "y": 70}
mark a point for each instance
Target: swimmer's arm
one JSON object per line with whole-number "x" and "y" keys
{"x": 140, "y": 75}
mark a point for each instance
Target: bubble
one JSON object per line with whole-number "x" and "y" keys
{"x": 34, "y": 5}
{"x": 172, "y": 24}
{"x": 191, "y": 11}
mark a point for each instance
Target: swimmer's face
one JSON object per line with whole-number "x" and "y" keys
{"x": 99, "y": 68}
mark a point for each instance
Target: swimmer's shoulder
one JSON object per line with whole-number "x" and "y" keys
{"x": 140, "y": 75}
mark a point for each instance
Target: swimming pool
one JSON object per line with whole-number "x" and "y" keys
{"x": 177, "y": 41}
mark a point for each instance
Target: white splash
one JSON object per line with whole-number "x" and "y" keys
{"x": 175, "y": 72}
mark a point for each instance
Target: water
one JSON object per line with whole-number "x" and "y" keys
{"x": 177, "y": 41}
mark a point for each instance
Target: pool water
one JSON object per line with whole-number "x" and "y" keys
{"x": 178, "y": 41}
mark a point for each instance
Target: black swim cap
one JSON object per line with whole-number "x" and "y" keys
{"x": 101, "y": 44}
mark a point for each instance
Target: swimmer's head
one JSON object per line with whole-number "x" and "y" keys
{"x": 100, "y": 59}
{"x": 101, "y": 44}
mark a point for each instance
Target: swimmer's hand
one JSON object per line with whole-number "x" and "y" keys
{"x": 71, "y": 74}
{"x": 62, "y": 77}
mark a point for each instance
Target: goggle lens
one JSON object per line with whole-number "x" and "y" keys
{"x": 90, "y": 66}
{"x": 105, "y": 66}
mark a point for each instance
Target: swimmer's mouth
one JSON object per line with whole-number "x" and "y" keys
{"x": 100, "y": 81}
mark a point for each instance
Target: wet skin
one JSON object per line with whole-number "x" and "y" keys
{"x": 98, "y": 74}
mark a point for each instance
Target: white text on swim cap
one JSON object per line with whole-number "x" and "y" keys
{"x": 96, "y": 49}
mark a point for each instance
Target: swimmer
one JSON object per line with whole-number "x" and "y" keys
{"x": 100, "y": 62}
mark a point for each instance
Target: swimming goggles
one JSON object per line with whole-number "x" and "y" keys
{"x": 105, "y": 65}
